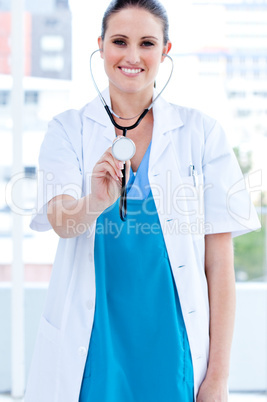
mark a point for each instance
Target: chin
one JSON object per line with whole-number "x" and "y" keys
{"x": 135, "y": 89}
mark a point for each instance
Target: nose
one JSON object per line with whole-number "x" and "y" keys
{"x": 133, "y": 56}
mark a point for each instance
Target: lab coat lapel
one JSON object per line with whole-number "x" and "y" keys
{"x": 166, "y": 119}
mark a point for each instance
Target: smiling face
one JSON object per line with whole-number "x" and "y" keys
{"x": 132, "y": 50}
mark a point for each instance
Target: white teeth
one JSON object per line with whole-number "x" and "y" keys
{"x": 132, "y": 71}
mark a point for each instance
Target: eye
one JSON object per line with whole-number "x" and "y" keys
{"x": 147, "y": 44}
{"x": 119, "y": 42}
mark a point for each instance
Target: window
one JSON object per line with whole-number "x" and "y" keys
{"x": 233, "y": 94}
{"x": 51, "y": 22}
{"x": 52, "y": 63}
{"x": 52, "y": 43}
{"x": 30, "y": 171}
{"x": 31, "y": 97}
{"x": 4, "y": 97}
{"x": 243, "y": 113}
{"x": 209, "y": 58}
{"x": 260, "y": 94}
{"x": 62, "y": 3}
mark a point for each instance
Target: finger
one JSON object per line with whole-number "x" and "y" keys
{"x": 104, "y": 168}
{"x": 128, "y": 164}
{"x": 109, "y": 156}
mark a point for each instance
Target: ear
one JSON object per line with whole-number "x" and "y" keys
{"x": 166, "y": 50}
{"x": 100, "y": 45}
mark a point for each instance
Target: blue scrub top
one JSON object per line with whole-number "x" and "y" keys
{"x": 138, "y": 350}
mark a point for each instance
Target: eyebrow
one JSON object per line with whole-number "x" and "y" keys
{"x": 126, "y": 37}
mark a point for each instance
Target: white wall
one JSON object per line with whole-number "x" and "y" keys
{"x": 249, "y": 352}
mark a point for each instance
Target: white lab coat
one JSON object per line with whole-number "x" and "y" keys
{"x": 219, "y": 203}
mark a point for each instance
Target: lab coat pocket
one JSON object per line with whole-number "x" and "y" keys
{"x": 48, "y": 349}
{"x": 189, "y": 203}
{"x": 42, "y": 382}
{"x": 50, "y": 332}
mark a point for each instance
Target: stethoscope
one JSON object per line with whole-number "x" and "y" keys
{"x": 123, "y": 148}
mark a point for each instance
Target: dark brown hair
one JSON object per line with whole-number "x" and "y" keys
{"x": 152, "y": 6}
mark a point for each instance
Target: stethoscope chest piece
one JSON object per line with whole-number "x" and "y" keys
{"x": 123, "y": 149}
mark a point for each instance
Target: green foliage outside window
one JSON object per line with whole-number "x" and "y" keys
{"x": 250, "y": 249}
{"x": 250, "y": 256}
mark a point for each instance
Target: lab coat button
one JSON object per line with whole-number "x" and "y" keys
{"x": 89, "y": 304}
{"x": 90, "y": 256}
{"x": 82, "y": 351}
{"x": 191, "y": 311}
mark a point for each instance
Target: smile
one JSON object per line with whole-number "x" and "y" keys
{"x": 131, "y": 70}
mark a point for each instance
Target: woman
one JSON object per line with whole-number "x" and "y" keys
{"x": 141, "y": 310}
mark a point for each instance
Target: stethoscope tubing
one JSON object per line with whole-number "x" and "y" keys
{"x": 103, "y": 100}
{"x": 123, "y": 198}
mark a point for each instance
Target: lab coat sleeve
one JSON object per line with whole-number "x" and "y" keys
{"x": 60, "y": 171}
{"x": 228, "y": 207}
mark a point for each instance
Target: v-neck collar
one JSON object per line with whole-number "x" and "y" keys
{"x": 138, "y": 185}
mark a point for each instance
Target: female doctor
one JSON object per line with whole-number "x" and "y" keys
{"x": 140, "y": 309}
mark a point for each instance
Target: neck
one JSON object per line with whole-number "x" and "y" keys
{"x": 130, "y": 105}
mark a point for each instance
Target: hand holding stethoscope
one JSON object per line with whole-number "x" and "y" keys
{"x": 107, "y": 178}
